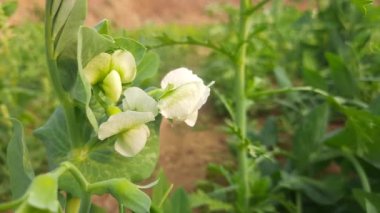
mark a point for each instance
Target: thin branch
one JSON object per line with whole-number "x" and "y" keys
{"x": 335, "y": 99}
{"x": 194, "y": 43}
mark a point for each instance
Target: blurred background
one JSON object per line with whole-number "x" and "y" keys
{"x": 294, "y": 43}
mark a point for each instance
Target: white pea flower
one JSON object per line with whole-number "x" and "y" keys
{"x": 129, "y": 126}
{"x": 111, "y": 71}
{"x": 131, "y": 131}
{"x": 111, "y": 86}
{"x": 136, "y": 99}
{"x": 98, "y": 68}
{"x": 186, "y": 96}
{"x": 124, "y": 63}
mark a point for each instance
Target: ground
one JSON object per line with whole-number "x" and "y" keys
{"x": 132, "y": 13}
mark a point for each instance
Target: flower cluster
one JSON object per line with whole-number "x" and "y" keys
{"x": 181, "y": 95}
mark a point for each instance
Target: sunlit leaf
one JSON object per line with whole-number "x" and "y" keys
{"x": 99, "y": 163}
{"x": 310, "y": 135}
{"x": 18, "y": 162}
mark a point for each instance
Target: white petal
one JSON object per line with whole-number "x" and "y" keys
{"x": 132, "y": 141}
{"x": 136, "y": 99}
{"x": 124, "y": 63}
{"x": 97, "y": 68}
{"x": 204, "y": 95}
{"x": 182, "y": 102}
{"x": 179, "y": 77}
{"x": 192, "y": 119}
{"x": 122, "y": 122}
{"x": 111, "y": 86}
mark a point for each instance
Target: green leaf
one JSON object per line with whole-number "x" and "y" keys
{"x": 61, "y": 10}
{"x": 126, "y": 193}
{"x": 344, "y": 80}
{"x": 325, "y": 192}
{"x": 103, "y": 27}
{"x": 75, "y": 18}
{"x": 314, "y": 79}
{"x": 54, "y": 9}
{"x": 366, "y": 127}
{"x": 9, "y": 7}
{"x": 363, "y": 197}
{"x": 160, "y": 189}
{"x": 284, "y": 82}
{"x": 147, "y": 68}
{"x": 179, "y": 202}
{"x": 268, "y": 134}
{"x": 18, "y": 162}
{"x": 199, "y": 198}
{"x": 137, "y": 49}
{"x": 98, "y": 163}
{"x": 65, "y": 51}
{"x": 374, "y": 107}
{"x": 310, "y": 134}
{"x": 360, "y": 135}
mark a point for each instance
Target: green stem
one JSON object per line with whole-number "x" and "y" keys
{"x": 62, "y": 95}
{"x": 77, "y": 175}
{"x": 165, "y": 196}
{"x": 363, "y": 179}
{"x": 360, "y": 171}
{"x": 121, "y": 208}
{"x": 299, "y": 202}
{"x": 72, "y": 204}
{"x": 85, "y": 203}
{"x": 241, "y": 112}
{"x": 309, "y": 89}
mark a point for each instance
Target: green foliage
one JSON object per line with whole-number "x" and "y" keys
{"x": 18, "y": 162}
{"x": 302, "y": 145}
{"x": 301, "y": 158}
{"x": 96, "y": 163}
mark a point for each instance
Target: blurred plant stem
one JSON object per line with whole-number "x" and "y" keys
{"x": 241, "y": 109}
{"x": 62, "y": 95}
{"x": 73, "y": 204}
{"x": 299, "y": 202}
{"x": 363, "y": 178}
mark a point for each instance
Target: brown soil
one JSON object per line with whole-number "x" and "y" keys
{"x": 186, "y": 152}
{"x": 131, "y": 13}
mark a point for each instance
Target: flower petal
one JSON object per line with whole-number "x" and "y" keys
{"x": 122, "y": 122}
{"x": 124, "y": 63}
{"x": 192, "y": 119}
{"x": 97, "y": 68}
{"x": 132, "y": 141}
{"x": 179, "y": 77}
{"x": 136, "y": 99}
{"x": 111, "y": 86}
{"x": 183, "y": 101}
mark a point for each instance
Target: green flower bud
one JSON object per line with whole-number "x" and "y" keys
{"x": 111, "y": 86}
{"x": 42, "y": 196}
{"x": 124, "y": 63}
{"x": 113, "y": 110}
{"x": 98, "y": 68}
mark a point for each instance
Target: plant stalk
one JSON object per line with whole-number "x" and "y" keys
{"x": 363, "y": 179}
{"x": 62, "y": 95}
{"x": 241, "y": 111}
{"x": 73, "y": 204}
{"x": 299, "y": 202}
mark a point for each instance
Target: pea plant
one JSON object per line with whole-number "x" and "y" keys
{"x": 335, "y": 120}
{"x": 103, "y": 136}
